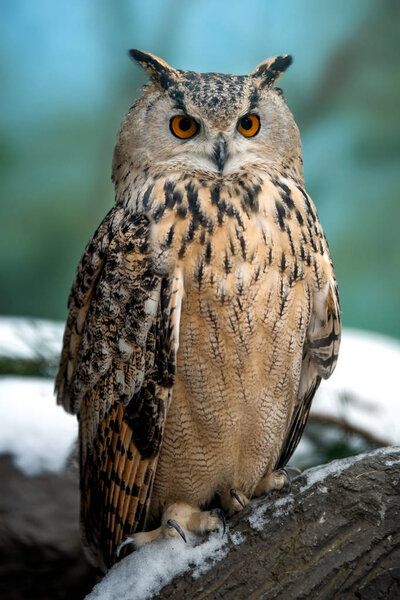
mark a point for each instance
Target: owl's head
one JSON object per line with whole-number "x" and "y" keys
{"x": 210, "y": 122}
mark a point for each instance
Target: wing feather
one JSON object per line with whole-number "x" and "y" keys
{"x": 322, "y": 337}
{"x": 319, "y": 360}
{"x": 79, "y": 302}
{"x": 116, "y": 369}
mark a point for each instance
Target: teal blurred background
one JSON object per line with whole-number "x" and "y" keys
{"x": 66, "y": 83}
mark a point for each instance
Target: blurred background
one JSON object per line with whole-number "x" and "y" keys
{"x": 66, "y": 83}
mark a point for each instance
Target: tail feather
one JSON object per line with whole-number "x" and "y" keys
{"x": 115, "y": 484}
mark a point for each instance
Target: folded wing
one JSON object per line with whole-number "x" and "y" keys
{"x": 116, "y": 372}
{"x": 320, "y": 355}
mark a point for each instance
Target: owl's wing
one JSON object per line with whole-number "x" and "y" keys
{"x": 320, "y": 355}
{"x": 116, "y": 372}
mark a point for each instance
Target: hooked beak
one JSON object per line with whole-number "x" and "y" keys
{"x": 220, "y": 153}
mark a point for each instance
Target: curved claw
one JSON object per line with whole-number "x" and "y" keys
{"x": 223, "y": 519}
{"x": 175, "y": 525}
{"x": 288, "y": 477}
{"x": 235, "y": 495}
{"x": 222, "y": 516}
{"x": 125, "y": 542}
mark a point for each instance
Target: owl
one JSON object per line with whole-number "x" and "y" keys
{"x": 204, "y": 311}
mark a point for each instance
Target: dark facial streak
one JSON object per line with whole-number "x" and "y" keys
{"x": 220, "y": 153}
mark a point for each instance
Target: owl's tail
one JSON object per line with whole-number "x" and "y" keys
{"x": 116, "y": 484}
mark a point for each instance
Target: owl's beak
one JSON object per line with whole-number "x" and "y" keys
{"x": 220, "y": 152}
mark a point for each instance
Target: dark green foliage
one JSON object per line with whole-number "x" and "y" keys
{"x": 35, "y": 367}
{"x": 327, "y": 442}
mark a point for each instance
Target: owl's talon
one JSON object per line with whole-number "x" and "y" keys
{"x": 233, "y": 501}
{"x": 177, "y": 527}
{"x": 235, "y": 495}
{"x": 125, "y": 542}
{"x": 288, "y": 478}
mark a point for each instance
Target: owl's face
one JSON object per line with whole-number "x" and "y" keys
{"x": 209, "y": 122}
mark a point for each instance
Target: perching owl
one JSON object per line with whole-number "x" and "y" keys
{"x": 204, "y": 310}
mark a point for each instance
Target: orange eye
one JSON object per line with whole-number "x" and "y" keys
{"x": 249, "y": 125}
{"x": 183, "y": 127}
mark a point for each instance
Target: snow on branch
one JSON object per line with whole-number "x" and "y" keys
{"x": 323, "y": 539}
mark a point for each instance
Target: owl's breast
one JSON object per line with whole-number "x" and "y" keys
{"x": 224, "y": 233}
{"x": 250, "y": 263}
{"x": 237, "y": 375}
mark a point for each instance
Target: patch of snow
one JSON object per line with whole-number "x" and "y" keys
{"x": 283, "y": 501}
{"x": 283, "y": 506}
{"x": 363, "y": 389}
{"x": 390, "y": 463}
{"x": 316, "y": 475}
{"x": 29, "y": 338}
{"x": 258, "y": 519}
{"x": 33, "y": 429}
{"x": 145, "y": 572}
{"x": 237, "y": 538}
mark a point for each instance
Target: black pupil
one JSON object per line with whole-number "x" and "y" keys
{"x": 185, "y": 124}
{"x": 246, "y": 123}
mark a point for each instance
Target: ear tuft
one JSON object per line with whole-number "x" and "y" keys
{"x": 271, "y": 69}
{"x": 157, "y": 69}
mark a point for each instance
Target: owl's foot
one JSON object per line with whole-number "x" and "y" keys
{"x": 178, "y": 518}
{"x": 274, "y": 481}
{"x": 137, "y": 540}
{"x": 181, "y": 516}
{"x": 233, "y": 501}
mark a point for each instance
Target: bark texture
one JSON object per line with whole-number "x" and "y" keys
{"x": 335, "y": 538}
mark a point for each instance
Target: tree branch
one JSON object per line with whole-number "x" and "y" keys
{"x": 337, "y": 535}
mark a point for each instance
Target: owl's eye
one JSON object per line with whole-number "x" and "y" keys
{"x": 183, "y": 127}
{"x": 249, "y": 125}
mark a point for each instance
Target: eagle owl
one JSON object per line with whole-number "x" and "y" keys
{"x": 204, "y": 310}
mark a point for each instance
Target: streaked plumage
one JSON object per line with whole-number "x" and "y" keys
{"x": 204, "y": 310}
